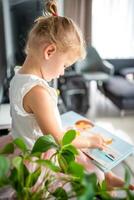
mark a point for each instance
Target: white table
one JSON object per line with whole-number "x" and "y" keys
{"x": 5, "y": 118}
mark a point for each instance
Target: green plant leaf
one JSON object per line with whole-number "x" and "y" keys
{"x": 44, "y": 143}
{"x": 8, "y": 149}
{"x": 130, "y": 195}
{"x": 49, "y": 164}
{"x": 19, "y": 142}
{"x": 90, "y": 183}
{"x": 47, "y": 182}
{"x": 25, "y": 194}
{"x": 103, "y": 185}
{"x": 32, "y": 178}
{"x": 4, "y": 166}
{"x": 4, "y": 182}
{"x": 68, "y": 156}
{"x": 37, "y": 195}
{"x": 78, "y": 187}
{"x": 70, "y": 148}
{"x": 25, "y": 171}
{"x": 36, "y": 154}
{"x": 13, "y": 178}
{"x": 102, "y": 190}
{"x": 76, "y": 169}
{"x": 68, "y": 137}
{"x": 127, "y": 176}
{"x": 17, "y": 162}
{"x": 16, "y": 181}
{"x": 62, "y": 163}
{"x": 60, "y": 194}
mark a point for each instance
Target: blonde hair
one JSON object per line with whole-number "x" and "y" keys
{"x": 56, "y": 29}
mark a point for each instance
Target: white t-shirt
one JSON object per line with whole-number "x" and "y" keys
{"x": 24, "y": 124}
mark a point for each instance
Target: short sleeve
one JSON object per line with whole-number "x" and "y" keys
{"x": 26, "y": 88}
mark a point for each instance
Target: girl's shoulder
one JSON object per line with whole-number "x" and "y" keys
{"x": 23, "y": 83}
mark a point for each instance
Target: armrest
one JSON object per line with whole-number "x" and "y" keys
{"x": 109, "y": 68}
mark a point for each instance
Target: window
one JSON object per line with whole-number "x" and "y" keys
{"x": 113, "y": 28}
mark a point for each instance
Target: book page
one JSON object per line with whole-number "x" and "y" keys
{"x": 116, "y": 149}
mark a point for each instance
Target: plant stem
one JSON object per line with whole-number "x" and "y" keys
{"x": 53, "y": 155}
{"x": 65, "y": 183}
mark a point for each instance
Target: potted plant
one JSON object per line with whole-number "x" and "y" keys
{"x": 63, "y": 179}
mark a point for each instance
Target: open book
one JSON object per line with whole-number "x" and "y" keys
{"x": 116, "y": 151}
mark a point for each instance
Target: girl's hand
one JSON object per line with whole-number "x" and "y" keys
{"x": 96, "y": 141}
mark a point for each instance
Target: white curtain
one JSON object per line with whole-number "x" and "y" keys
{"x": 113, "y": 28}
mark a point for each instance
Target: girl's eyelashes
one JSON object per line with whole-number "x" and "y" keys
{"x": 66, "y": 66}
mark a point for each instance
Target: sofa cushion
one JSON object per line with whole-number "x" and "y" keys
{"x": 127, "y": 71}
{"x": 120, "y": 87}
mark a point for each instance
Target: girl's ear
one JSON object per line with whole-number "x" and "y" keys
{"x": 49, "y": 51}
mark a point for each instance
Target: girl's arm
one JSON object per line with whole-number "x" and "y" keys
{"x": 39, "y": 102}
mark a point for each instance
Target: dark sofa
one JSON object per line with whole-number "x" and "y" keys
{"x": 120, "y": 87}
{"x": 111, "y": 76}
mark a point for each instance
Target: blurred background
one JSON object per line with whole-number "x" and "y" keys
{"x": 101, "y": 87}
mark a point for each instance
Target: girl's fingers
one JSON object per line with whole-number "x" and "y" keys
{"x": 100, "y": 148}
{"x": 131, "y": 187}
{"x": 103, "y": 146}
{"x": 104, "y": 140}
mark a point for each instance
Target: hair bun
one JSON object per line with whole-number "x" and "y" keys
{"x": 51, "y": 7}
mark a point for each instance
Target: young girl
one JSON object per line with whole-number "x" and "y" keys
{"x": 54, "y": 43}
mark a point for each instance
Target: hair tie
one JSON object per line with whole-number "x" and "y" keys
{"x": 51, "y": 8}
{"x": 55, "y": 14}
